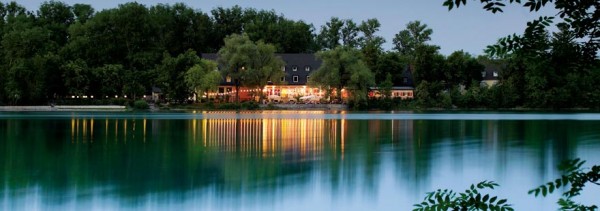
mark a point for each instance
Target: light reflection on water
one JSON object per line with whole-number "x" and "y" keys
{"x": 280, "y": 160}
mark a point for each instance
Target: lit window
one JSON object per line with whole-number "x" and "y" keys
{"x": 307, "y": 68}
{"x": 294, "y": 68}
{"x": 228, "y": 79}
{"x": 295, "y": 78}
{"x": 495, "y": 74}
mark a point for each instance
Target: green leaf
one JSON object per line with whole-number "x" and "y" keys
{"x": 501, "y": 201}
{"x": 544, "y": 191}
{"x": 493, "y": 199}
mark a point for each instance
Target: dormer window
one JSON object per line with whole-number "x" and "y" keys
{"x": 495, "y": 73}
{"x": 405, "y": 80}
{"x": 283, "y": 68}
{"x": 483, "y": 73}
{"x": 282, "y": 79}
{"x": 228, "y": 79}
{"x": 295, "y": 79}
{"x": 307, "y": 68}
{"x": 294, "y": 68}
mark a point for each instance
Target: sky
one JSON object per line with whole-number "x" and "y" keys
{"x": 468, "y": 28}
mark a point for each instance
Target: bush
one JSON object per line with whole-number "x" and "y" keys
{"x": 250, "y": 105}
{"x": 141, "y": 105}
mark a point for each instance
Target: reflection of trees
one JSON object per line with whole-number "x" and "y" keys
{"x": 134, "y": 157}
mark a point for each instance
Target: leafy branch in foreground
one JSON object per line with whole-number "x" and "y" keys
{"x": 576, "y": 177}
{"x": 470, "y": 199}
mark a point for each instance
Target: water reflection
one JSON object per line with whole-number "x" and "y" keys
{"x": 325, "y": 163}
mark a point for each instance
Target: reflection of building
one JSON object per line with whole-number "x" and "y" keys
{"x": 118, "y": 130}
{"x": 269, "y": 136}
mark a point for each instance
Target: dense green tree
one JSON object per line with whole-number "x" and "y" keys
{"x": 171, "y": 74}
{"x": 408, "y": 40}
{"x": 249, "y": 64}
{"x": 344, "y": 67}
{"x": 203, "y": 77}
{"x": 330, "y": 34}
{"x": 463, "y": 69}
{"x": 369, "y": 43}
{"x": 56, "y": 17}
{"x": 83, "y": 12}
{"x": 112, "y": 79}
{"x": 77, "y": 76}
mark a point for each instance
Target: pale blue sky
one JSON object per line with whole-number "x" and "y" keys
{"x": 470, "y": 28}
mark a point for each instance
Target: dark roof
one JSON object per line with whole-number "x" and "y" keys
{"x": 407, "y": 78}
{"x": 490, "y": 68}
{"x": 156, "y": 90}
{"x": 299, "y": 61}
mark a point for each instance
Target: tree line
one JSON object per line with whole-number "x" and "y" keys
{"x": 62, "y": 50}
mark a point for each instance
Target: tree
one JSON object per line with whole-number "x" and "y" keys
{"x": 408, "y": 40}
{"x": 575, "y": 178}
{"x": 338, "y": 32}
{"x": 265, "y": 68}
{"x": 470, "y": 199}
{"x": 463, "y": 69}
{"x": 203, "y": 77}
{"x": 386, "y": 86}
{"x": 248, "y": 63}
{"x": 370, "y": 44}
{"x": 343, "y": 67}
{"x": 171, "y": 74}
{"x": 77, "y": 77}
{"x": 56, "y": 17}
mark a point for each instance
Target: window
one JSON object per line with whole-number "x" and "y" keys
{"x": 307, "y": 68}
{"x": 228, "y": 79}
{"x": 283, "y": 68}
{"x": 405, "y": 80}
{"x": 295, "y": 78}
{"x": 495, "y": 73}
{"x": 307, "y": 77}
{"x": 294, "y": 68}
{"x": 282, "y": 79}
{"x": 483, "y": 73}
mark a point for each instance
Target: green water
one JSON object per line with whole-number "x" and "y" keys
{"x": 292, "y": 160}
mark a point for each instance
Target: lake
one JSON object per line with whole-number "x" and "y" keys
{"x": 282, "y": 160}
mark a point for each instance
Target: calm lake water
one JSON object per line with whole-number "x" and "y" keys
{"x": 282, "y": 160}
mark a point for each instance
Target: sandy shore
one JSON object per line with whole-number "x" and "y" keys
{"x": 64, "y": 108}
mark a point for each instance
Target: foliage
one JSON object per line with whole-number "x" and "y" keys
{"x": 140, "y": 105}
{"x": 203, "y": 77}
{"x": 470, "y": 199}
{"x": 574, "y": 180}
{"x": 343, "y": 67}
{"x": 386, "y": 86}
{"x": 249, "y": 64}
{"x": 171, "y": 73}
{"x": 408, "y": 40}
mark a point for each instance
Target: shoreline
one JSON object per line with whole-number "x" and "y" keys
{"x": 64, "y": 108}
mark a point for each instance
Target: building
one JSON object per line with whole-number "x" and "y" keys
{"x": 403, "y": 88}
{"x": 490, "y": 76}
{"x": 293, "y": 87}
